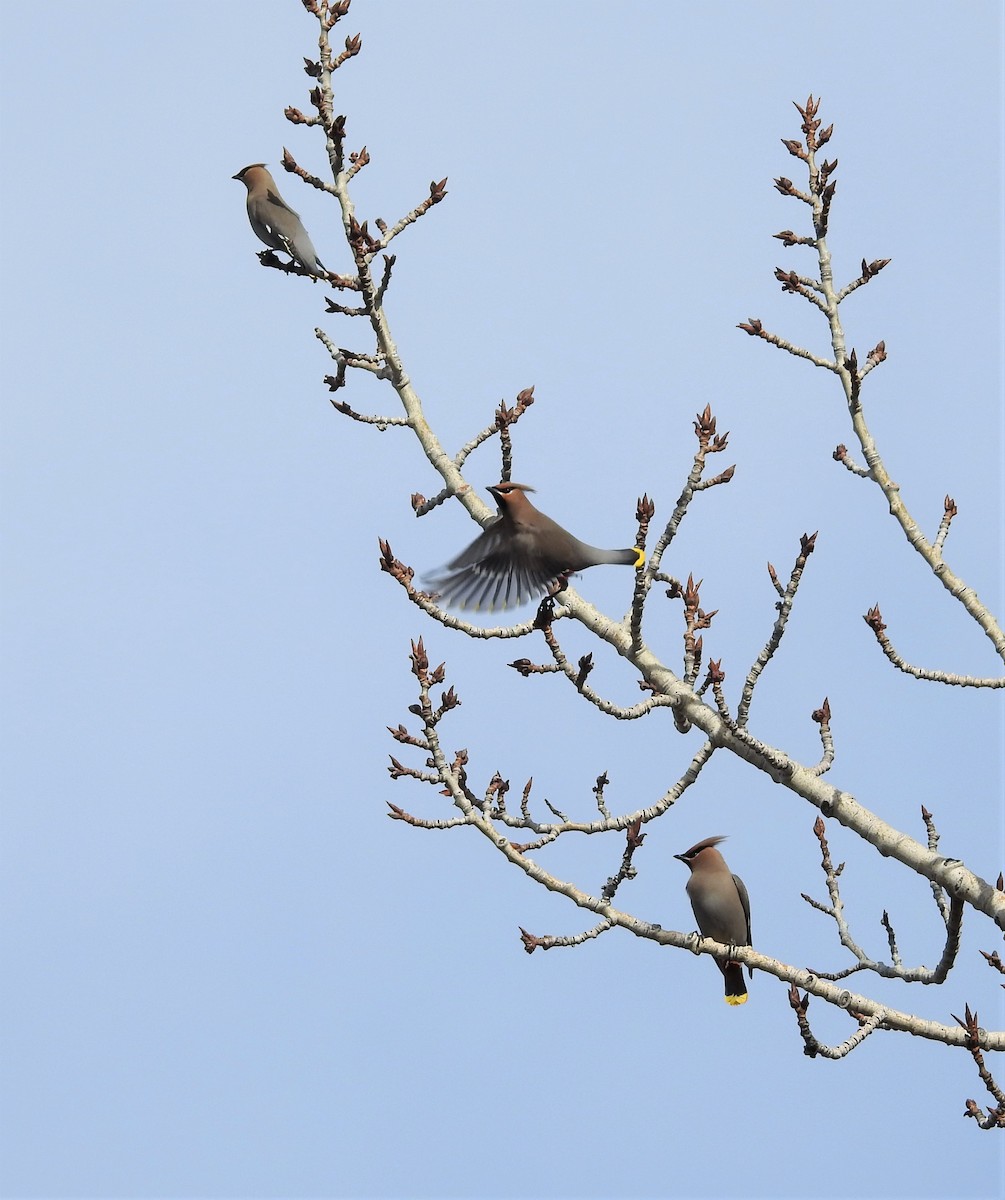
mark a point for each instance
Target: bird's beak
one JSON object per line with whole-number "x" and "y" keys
{"x": 680, "y": 858}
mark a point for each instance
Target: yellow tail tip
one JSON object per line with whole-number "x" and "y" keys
{"x": 735, "y": 1000}
{"x": 640, "y": 557}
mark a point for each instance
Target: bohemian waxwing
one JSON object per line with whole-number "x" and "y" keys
{"x": 275, "y": 223}
{"x": 721, "y": 908}
{"x": 520, "y": 555}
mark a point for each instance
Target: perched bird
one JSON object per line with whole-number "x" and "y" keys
{"x": 519, "y": 555}
{"x": 721, "y": 907}
{"x": 275, "y": 223}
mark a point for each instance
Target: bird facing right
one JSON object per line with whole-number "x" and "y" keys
{"x": 519, "y": 555}
{"x": 274, "y": 222}
{"x": 721, "y": 908}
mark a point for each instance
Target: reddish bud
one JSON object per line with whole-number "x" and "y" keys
{"x": 874, "y": 619}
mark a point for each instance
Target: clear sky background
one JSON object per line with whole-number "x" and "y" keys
{"x": 227, "y": 973}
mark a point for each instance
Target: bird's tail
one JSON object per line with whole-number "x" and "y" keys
{"x": 736, "y": 989}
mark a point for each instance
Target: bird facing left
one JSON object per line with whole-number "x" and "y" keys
{"x": 721, "y": 908}
{"x": 520, "y": 555}
{"x": 274, "y": 222}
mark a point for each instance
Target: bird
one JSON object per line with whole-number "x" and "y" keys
{"x": 721, "y": 908}
{"x": 520, "y": 554}
{"x": 274, "y": 222}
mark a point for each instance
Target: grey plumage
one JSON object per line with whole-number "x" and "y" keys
{"x": 721, "y": 908}
{"x": 520, "y": 555}
{"x": 274, "y": 222}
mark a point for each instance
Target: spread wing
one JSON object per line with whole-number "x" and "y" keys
{"x": 498, "y": 570}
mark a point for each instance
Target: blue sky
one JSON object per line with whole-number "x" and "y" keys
{"x": 227, "y": 972}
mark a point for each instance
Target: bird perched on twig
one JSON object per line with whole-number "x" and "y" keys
{"x": 274, "y": 222}
{"x": 721, "y": 908}
{"x": 520, "y": 555}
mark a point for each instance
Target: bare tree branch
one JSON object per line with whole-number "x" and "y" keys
{"x": 818, "y": 199}
{"x": 704, "y": 706}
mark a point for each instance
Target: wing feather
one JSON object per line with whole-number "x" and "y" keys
{"x": 496, "y": 571}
